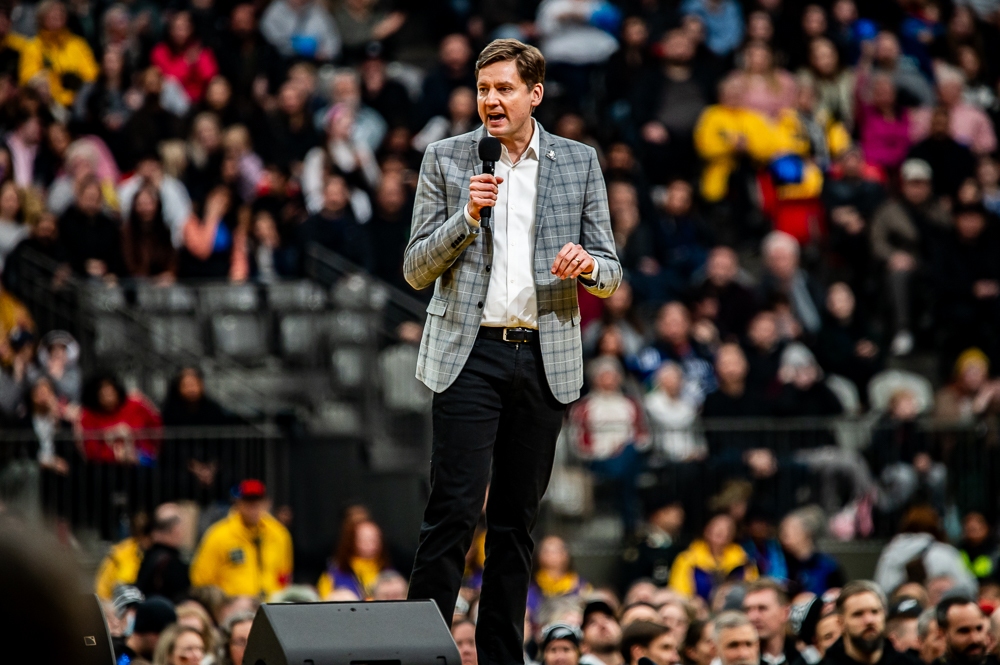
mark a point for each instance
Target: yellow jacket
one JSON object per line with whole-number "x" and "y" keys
{"x": 58, "y": 53}
{"x": 716, "y": 136}
{"x": 791, "y": 137}
{"x": 243, "y": 561}
{"x": 697, "y": 572}
{"x": 120, "y": 566}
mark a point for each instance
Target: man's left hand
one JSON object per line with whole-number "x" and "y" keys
{"x": 572, "y": 261}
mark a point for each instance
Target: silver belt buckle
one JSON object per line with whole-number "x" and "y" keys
{"x": 505, "y": 334}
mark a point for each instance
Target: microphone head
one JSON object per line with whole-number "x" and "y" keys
{"x": 489, "y": 149}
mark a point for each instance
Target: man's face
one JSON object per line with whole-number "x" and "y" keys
{"x": 251, "y": 510}
{"x": 601, "y": 633}
{"x": 739, "y": 646}
{"x": 916, "y": 191}
{"x": 766, "y": 613}
{"x": 663, "y": 650}
{"x": 561, "y": 652}
{"x": 504, "y": 100}
{"x": 864, "y": 622}
{"x": 966, "y": 638}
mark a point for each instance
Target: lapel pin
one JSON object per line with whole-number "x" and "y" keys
{"x": 551, "y": 154}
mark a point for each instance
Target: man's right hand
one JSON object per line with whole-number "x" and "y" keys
{"x": 483, "y": 191}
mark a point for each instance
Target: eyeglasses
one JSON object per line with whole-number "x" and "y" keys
{"x": 239, "y": 642}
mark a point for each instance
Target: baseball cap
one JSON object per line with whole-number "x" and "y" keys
{"x": 561, "y": 631}
{"x": 805, "y": 617}
{"x": 153, "y": 615}
{"x": 597, "y": 607}
{"x": 905, "y": 608}
{"x": 125, "y": 596}
{"x": 915, "y": 169}
{"x": 251, "y": 488}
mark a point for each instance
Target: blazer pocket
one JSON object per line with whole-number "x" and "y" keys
{"x": 437, "y": 306}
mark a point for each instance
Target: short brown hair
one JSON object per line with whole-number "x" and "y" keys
{"x": 768, "y": 584}
{"x": 529, "y": 60}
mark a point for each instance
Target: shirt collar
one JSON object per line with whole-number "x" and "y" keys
{"x": 531, "y": 151}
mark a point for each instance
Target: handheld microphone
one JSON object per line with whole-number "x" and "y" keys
{"x": 489, "y": 152}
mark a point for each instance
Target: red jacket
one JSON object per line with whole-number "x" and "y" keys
{"x": 193, "y": 76}
{"x": 111, "y": 437}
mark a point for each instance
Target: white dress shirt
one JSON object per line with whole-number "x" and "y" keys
{"x": 510, "y": 299}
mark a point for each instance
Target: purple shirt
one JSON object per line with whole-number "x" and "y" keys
{"x": 884, "y": 142}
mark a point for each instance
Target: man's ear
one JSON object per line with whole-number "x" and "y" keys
{"x": 537, "y": 93}
{"x": 636, "y": 652}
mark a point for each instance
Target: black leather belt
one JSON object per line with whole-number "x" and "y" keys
{"x": 517, "y": 335}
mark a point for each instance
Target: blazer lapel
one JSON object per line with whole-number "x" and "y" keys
{"x": 546, "y": 175}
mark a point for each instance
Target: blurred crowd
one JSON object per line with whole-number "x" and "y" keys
{"x": 737, "y": 591}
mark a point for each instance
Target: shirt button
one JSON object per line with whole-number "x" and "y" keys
{"x": 488, "y": 268}
{"x": 480, "y": 305}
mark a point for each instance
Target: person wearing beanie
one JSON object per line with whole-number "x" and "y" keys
{"x": 560, "y": 644}
{"x": 152, "y": 616}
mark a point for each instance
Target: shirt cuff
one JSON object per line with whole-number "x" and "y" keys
{"x": 469, "y": 219}
{"x": 591, "y": 279}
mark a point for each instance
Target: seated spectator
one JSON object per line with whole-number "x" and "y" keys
{"x": 12, "y": 227}
{"x": 269, "y": 257}
{"x": 146, "y": 244}
{"x": 91, "y": 238}
{"x": 179, "y": 645}
{"x": 920, "y": 543}
{"x": 887, "y": 59}
{"x": 183, "y": 59}
{"x": 722, "y": 21}
{"x": 301, "y": 28}
{"x": 763, "y": 353}
{"x": 834, "y": 83}
{"x": 602, "y": 633}
{"x": 711, "y": 559}
{"x": 462, "y": 117}
{"x": 153, "y": 617}
{"x": 900, "y": 455}
{"x": 610, "y": 433}
{"x": 846, "y": 344}
{"x": 951, "y": 162}
{"x": 359, "y": 560}
{"x": 666, "y": 104}
{"x": 809, "y": 570}
{"x": 247, "y": 553}
{"x": 193, "y": 614}
{"x": 785, "y": 280}
{"x": 968, "y": 124}
{"x": 574, "y": 43}
{"x": 559, "y": 644}
{"x": 214, "y": 247}
{"x": 554, "y": 575}
{"x": 766, "y": 89}
{"x": 648, "y": 641}
{"x": 118, "y": 428}
{"x": 64, "y": 59}
{"x": 17, "y": 349}
{"x": 966, "y": 277}
{"x": 725, "y": 284}
{"x": 250, "y": 169}
{"x": 235, "y": 632}
{"x": 163, "y": 572}
{"x": 978, "y": 546}
{"x": 674, "y": 342}
{"x": 290, "y": 133}
{"x": 971, "y": 393}
{"x": 335, "y": 227}
{"x": 205, "y": 156}
{"x": 672, "y": 416}
{"x": 902, "y": 233}
{"x": 463, "y": 631}
{"x": 725, "y": 133}
{"x": 885, "y": 128}
{"x": 58, "y": 361}
{"x": 174, "y": 198}
{"x": 760, "y": 543}
{"x": 680, "y": 241}
{"x": 342, "y": 153}
{"x": 657, "y": 542}
{"x": 619, "y": 313}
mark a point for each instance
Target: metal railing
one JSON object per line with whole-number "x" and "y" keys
{"x": 200, "y": 464}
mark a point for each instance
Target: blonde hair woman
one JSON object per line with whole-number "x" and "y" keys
{"x": 179, "y": 645}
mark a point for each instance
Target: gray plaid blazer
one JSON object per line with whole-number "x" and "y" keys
{"x": 444, "y": 250}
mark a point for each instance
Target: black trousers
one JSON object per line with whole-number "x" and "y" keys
{"x": 497, "y": 425}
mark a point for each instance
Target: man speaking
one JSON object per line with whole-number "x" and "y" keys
{"x": 501, "y": 347}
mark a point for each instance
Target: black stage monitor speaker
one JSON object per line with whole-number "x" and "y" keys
{"x": 93, "y": 647}
{"x": 408, "y": 632}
